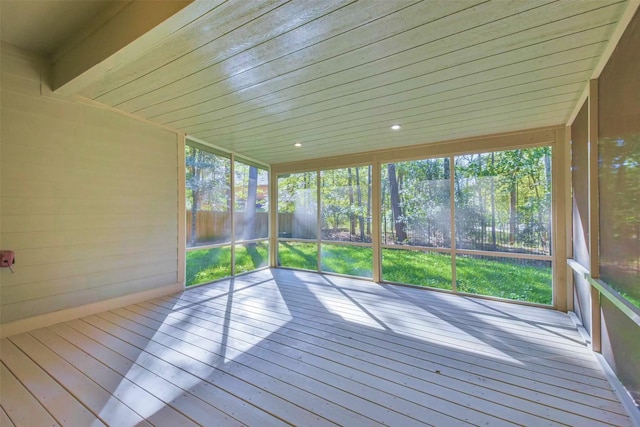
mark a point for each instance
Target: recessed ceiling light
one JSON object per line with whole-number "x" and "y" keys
{"x": 396, "y": 127}
{"x": 297, "y": 144}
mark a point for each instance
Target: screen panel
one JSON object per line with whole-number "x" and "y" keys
{"x": 503, "y": 201}
{"x": 511, "y": 278}
{"x": 619, "y": 167}
{"x": 345, "y": 209}
{"x": 251, "y": 213}
{"x": 297, "y": 205}
{"x": 208, "y": 191}
{"x": 413, "y": 267}
{"x": 580, "y": 185}
{"x": 416, "y": 203}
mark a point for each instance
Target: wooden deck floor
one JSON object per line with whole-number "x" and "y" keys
{"x": 280, "y": 347}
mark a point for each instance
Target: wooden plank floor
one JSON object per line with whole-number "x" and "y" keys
{"x": 281, "y": 347}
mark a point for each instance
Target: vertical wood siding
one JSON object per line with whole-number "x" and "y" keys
{"x": 89, "y": 199}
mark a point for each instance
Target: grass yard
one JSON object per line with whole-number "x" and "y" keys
{"x": 500, "y": 277}
{"x": 207, "y": 265}
{"x": 432, "y": 269}
{"x": 514, "y": 279}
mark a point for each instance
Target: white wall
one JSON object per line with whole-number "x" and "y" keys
{"x": 89, "y": 199}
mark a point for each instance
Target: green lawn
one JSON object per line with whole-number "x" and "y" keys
{"x": 504, "y": 278}
{"x": 632, "y": 299}
{"x": 430, "y": 269}
{"x": 298, "y": 255}
{"x": 207, "y": 265}
{"x": 499, "y": 277}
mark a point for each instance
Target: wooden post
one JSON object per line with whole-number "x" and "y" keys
{"x": 376, "y": 206}
{"x": 594, "y": 217}
{"x": 452, "y": 218}
{"x": 558, "y": 224}
{"x": 182, "y": 208}
{"x": 318, "y": 220}
{"x": 273, "y": 219}
{"x": 568, "y": 206}
{"x": 232, "y": 208}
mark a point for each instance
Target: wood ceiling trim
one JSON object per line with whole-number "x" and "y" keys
{"x": 281, "y": 153}
{"x": 116, "y": 42}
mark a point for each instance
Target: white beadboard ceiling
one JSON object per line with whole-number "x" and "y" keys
{"x": 256, "y": 77}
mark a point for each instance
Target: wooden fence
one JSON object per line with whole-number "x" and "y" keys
{"x": 214, "y": 227}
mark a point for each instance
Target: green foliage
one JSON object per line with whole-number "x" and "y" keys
{"x": 297, "y": 192}
{"x": 208, "y": 180}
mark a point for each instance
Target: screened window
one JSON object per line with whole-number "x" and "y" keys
{"x": 297, "y": 205}
{"x": 212, "y": 252}
{"x": 208, "y": 195}
{"x": 251, "y": 213}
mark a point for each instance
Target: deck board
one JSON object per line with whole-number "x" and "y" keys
{"x": 5, "y": 421}
{"x": 22, "y": 408}
{"x": 54, "y": 398}
{"x": 282, "y": 347}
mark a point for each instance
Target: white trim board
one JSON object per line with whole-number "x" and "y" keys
{"x": 48, "y": 319}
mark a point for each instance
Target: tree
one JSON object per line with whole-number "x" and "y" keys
{"x": 399, "y": 224}
{"x": 249, "y": 224}
{"x": 207, "y": 184}
{"x": 359, "y": 198}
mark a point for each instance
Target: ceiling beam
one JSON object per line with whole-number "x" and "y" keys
{"x": 125, "y": 36}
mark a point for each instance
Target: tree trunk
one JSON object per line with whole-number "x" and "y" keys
{"x": 194, "y": 217}
{"x": 249, "y": 231}
{"x": 195, "y": 199}
{"x": 369, "y": 201}
{"x": 493, "y": 205}
{"x": 512, "y": 212}
{"x": 481, "y": 203}
{"x": 359, "y": 198}
{"x": 352, "y": 218}
{"x": 401, "y": 235}
{"x": 547, "y": 170}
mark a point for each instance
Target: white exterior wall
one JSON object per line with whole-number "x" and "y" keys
{"x": 89, "y": 201}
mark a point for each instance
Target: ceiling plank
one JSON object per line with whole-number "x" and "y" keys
{"x": 289, "y": 92}
{"x": 459, "y": 118}
{"x": 219, "y": 35}
{"x": 437, "y": 110}
{"x": 461, "y": 81}
{"x": 333, "y": 34}
{"x": 535, "y": 51}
